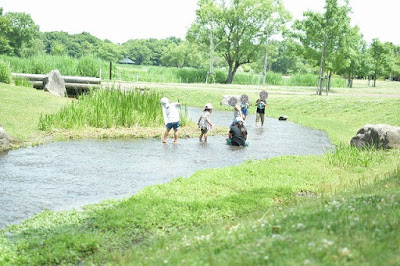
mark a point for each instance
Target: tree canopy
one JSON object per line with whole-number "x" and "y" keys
{"x": 237, "y": 28}
{"x": 234, "y": 34}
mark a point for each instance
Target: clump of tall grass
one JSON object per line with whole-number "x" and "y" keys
{"x": 88, "y": 66}
{"x": 160, "y": 74}
{"x": 349, "y": 156}
{"x": 24, "y": 82}
{"x": 107, "y": 108}
{"x": 5, "y": 72}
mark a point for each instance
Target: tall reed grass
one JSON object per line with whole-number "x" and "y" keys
{"x": 93, "y": 67}
{"x": 107, "y": 108}
{"x": 192, "y": 75}
{"x": 42, "y": 64}
{"x": 5, "y": 72}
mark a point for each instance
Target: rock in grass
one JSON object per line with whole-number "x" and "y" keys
{"x": 55, "y": 84}
{"x": 227, "y": 99}
{"x": 4, "y": 140}
{"x": 380, "y": 136}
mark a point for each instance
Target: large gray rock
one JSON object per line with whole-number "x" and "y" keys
{"x": 381, "y": 136}
{"x": 225, "y": 99}
{"x": 4, "y": 140}
{"x": 55, "y": 84}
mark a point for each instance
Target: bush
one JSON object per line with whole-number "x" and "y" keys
{"x": 88, "y": 66}
{"x": 5, "y": 72}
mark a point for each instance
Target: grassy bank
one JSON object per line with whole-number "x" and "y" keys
{"x": 20, "y": 111}
{"x": 331, "y": 209}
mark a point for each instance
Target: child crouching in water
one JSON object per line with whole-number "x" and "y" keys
{"x": 204, "y": 122}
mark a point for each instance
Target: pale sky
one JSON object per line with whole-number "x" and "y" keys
{"x": 122, "y": 20}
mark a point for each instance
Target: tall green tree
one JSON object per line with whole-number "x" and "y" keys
{"x": 109, "y": 51}
{"x": 383, "y": 58}
{"x": 277, "y": 18}
{"x": 287, "y": 60}
{"x": 23, "y": 31}
{"x": 236, "y": 28}
{"x": 348, "y": 58}
{"x": 184, "y": 54}
{"x": 321, "y": 34}
{"x": 5, "y": 28}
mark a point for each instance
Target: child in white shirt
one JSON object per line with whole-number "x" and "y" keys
{"x": 204, "y": 122}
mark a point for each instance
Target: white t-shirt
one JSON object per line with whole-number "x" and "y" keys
{"x": 203, "y": 121}
{"x": 171, "y": 113}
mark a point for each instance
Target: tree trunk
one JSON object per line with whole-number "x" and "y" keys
{"x": 348, "y": 80}
{"x": 322, "y": 68}
{"x": 265, "y": 62}
{"x": 351, "y": 81}
{"x": 211, "y": 54}
{"x": 375, "y": 79}
{"x": 328, "y": 88}
{"x": 231, "y": 73}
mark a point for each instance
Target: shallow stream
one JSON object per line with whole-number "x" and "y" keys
{"x": 71, "y": 174}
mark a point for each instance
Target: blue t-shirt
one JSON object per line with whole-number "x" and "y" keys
{"x": 244, "y": 107}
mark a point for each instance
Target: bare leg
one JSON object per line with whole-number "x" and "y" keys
{"x": 262, "y": 119}
{"x": 201, "y": 136}
{"x": 205, "y": 137}
{"x": 166, "y": 135}
{"x": 257, "y": 118}
{"x": 175, "y": 136}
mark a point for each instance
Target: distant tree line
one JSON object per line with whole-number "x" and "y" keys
{"x": 236, "y": 34}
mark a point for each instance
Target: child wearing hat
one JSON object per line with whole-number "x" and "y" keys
{"x": 204, "y": 122}
{"x": 237, "y": 135}
{"x": 171, "y": 118}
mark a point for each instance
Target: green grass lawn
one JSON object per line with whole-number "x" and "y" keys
{"x": 338, "y": 208}
{"x": 20, "y": 110}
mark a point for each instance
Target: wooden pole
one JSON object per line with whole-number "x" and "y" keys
{"x": 110, "y": 70}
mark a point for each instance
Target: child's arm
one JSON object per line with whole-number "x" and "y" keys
{"x": 238, "y": 110}
{"x": 208, "y": 121}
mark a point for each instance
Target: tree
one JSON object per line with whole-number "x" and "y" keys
{"x": 348, "y": 58}
{"x": 321, "y": 34}
{"x": 5, "y": 28}
{"x": 383, "y": 59}
{"x": 109, "y": 51}
{"x": 23, "y": 31}
{"x": 275, "y": 23}
{"x": 237, "y": 28}
{"x": 183, "y": 55}
{"x": 287, "y": 60}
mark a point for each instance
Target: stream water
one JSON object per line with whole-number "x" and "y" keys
{"x": 71, "y": 174}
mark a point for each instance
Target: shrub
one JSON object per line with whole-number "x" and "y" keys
{"x": 88, "y": 66}
{"x": 5, "y": 72}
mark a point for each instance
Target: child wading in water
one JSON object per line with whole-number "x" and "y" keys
{"x": 244, "y": 105}
{"x": 204, "y": 122}
{"x": 171, "y": 118}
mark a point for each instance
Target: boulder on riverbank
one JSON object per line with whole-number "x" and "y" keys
{"x": 380, "y": 136}
{"x": 4, "y": 140}
{"x": 225, "y": 101}
{"x": 55, "y": 84}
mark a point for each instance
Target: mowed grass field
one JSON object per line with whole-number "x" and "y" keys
{"x": 338, "y": 208}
